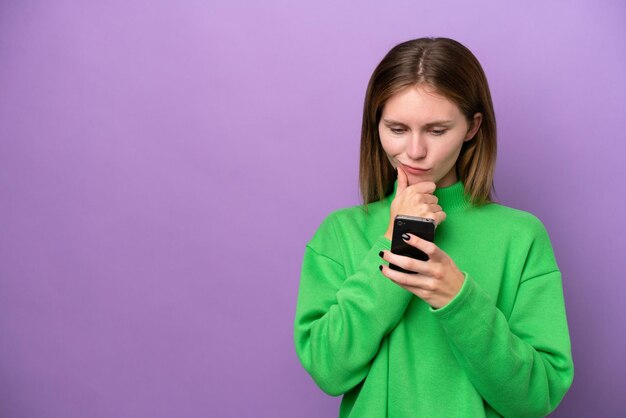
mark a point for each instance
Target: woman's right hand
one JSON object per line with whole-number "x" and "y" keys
{"x": 415, "y": 200}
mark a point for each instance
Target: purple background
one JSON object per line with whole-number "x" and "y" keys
{"x": 162, "y": 165}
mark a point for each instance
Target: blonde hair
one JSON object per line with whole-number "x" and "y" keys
{"x": 454, "y": 72}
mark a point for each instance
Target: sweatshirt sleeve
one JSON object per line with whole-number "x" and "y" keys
{"x": 521, "y": 366}
{"x": 341, "y": 319}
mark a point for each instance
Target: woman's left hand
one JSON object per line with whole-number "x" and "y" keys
{"x": 439, "y": 279}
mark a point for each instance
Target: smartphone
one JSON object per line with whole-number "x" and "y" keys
{"x": 422, "y": 227}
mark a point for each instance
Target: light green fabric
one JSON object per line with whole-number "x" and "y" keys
{"x": 501, "y": 347}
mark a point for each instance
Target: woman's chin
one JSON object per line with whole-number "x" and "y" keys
{"x": 418, "y": 178}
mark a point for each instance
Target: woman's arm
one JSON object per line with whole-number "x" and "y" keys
{"x": 521, "y": 366}
{"x": 340, "y": 321}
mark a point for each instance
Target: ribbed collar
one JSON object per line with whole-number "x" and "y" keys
{"x": 451, "y": 198}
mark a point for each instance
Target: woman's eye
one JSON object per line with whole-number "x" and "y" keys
{"x": 397, "y": 130}
{"x": 438, "y": 132}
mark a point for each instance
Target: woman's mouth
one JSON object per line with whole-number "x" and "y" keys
{"x": 412, "y": 170}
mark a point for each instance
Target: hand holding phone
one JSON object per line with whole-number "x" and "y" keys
{"x": 422, "y": 227}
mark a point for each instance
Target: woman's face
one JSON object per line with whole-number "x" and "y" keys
{"x": 422, "y": 129}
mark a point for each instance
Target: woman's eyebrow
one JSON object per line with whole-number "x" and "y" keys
{"x": 392, "y": 122}
{"x": 434, "y": 123}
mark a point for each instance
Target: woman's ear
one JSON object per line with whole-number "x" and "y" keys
{"x": 475, "y": 125}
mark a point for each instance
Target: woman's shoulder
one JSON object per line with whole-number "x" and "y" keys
{"x": 512, "y": 219}
{"x": 350, "y": 221}
{"x": 528, "y": 234}
{"x": 346, "y": 216}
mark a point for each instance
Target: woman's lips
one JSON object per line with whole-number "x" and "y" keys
{"x": 413, "y": 170}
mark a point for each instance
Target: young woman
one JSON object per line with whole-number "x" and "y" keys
{"x": 478, "y": 330}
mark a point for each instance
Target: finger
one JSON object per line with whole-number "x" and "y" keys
{"x": 430, "y": 198}
{"x": 424, "y": 187}
{"x": 429, "y": 248}
{"x": 403, "y": 181}
{"x": 426, "y": 198}
{"x": 431, "y": 211}
{"x": 407, "y": 263}
{"x": 438, "y": 214}
{"x": 405, "y": 279}
{"x": 433, "y": 208}
{"x": 440, "y": 217}
{"x": 417, "y": 291}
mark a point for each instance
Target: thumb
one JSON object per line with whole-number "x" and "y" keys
{"x": 403, "y": 180}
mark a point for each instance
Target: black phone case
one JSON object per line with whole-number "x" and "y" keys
{"x": 422, "y": 227}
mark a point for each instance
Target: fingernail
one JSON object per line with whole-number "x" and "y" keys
{"x": 380, "y": 253}
{"x": 405, "y": 236}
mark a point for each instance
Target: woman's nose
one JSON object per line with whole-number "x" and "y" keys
{"x": 416, "y": 148}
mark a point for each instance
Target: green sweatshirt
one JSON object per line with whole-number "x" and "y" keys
{"x": 501, "y": 347}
